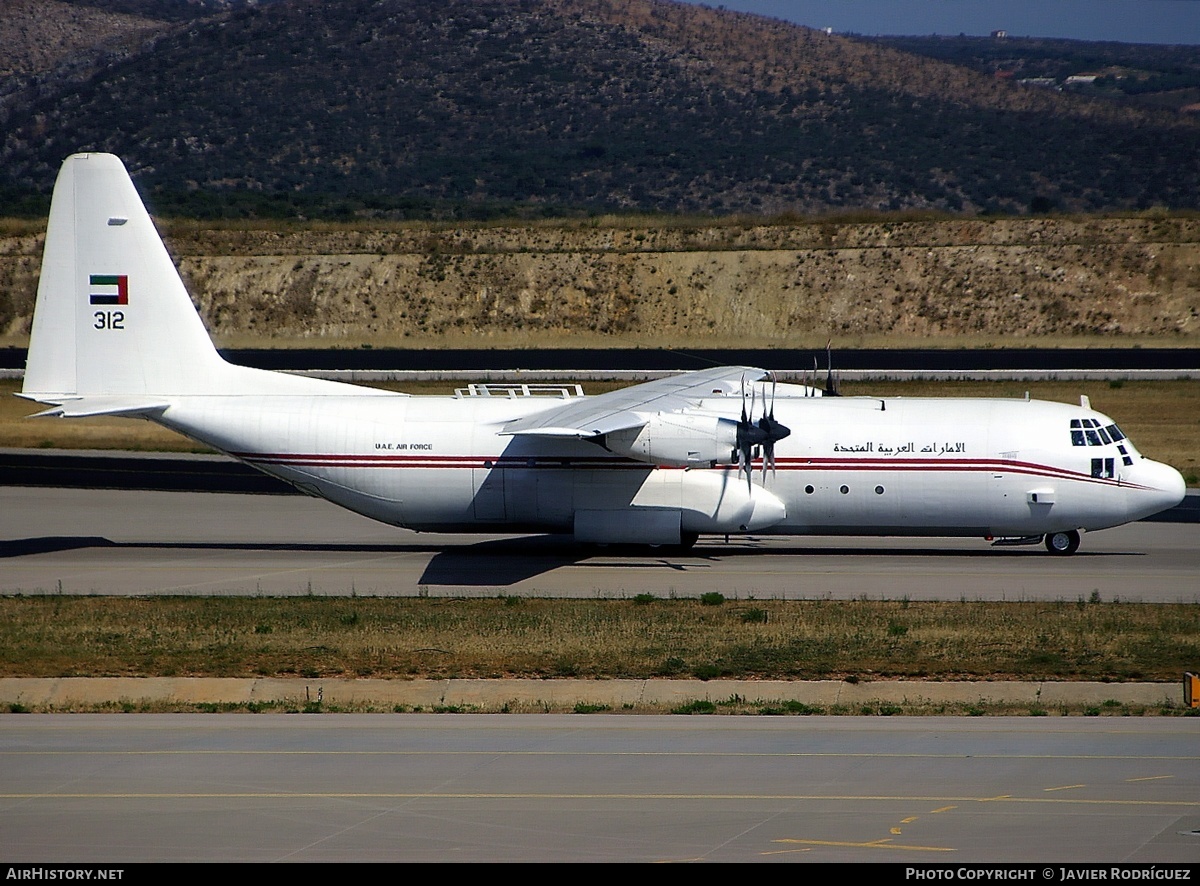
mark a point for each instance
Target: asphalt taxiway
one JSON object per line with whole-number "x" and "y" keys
{"x": 123, "y": 789}
{"x": 96, "y": 541}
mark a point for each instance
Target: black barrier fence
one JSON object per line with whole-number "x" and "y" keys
{"x": 125, "y": 471}
{"x": 637, "y": 359}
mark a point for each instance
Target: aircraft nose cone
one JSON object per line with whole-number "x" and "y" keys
{"x": 1163, "y": 489}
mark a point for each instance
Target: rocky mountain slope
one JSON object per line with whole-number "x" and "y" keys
{"x": 1115, "y": 281}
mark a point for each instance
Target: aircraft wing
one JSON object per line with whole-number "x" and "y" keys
{"x": 633, "y": 406}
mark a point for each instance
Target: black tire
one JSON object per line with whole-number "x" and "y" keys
{"x": 1062, "y": 544}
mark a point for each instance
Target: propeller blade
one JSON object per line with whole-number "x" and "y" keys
{"x": 757, "y": 438}
{"x": 769, "y": 446}
{"x": 831, "y": 389}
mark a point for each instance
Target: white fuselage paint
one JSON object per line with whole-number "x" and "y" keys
{"x": 861, "y": 466}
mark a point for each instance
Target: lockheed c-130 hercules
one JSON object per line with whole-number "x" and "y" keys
{"x": 722, "y": 451}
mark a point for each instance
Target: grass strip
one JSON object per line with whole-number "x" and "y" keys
{"x": 641, "y": 637}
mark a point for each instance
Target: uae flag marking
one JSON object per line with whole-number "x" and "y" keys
{"x": 109, "y": 289}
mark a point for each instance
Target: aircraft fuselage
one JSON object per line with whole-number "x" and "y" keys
{"x": 852, "y": 465}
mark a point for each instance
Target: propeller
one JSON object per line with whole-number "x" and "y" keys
{"x": 758, "y": 435}
{"x": 830, "y": 382}
{"x": 772, "y": 430}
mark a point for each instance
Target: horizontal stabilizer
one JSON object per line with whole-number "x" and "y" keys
{"x": 85, "y": 407}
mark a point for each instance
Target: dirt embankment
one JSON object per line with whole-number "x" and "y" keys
{"x": 1115, "y": 281}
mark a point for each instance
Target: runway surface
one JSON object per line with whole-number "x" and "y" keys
{"x": 418, "y": 787}
{"x": 127, "y": 542}
{"x": 598, "y": 788}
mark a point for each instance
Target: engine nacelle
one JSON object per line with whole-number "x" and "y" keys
{"x": 677, "y": 438}
{"x": 711, "y": 501}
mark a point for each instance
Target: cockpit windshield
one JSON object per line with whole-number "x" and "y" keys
{"x": 1090, "y": 432}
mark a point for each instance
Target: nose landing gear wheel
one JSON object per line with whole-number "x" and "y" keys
{"x": 1062, "y": 543}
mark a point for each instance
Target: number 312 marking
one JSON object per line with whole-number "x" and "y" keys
{"x": 109, "y": 320}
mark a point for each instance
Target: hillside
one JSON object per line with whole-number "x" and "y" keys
{"x": 40, "y": 35}
{"x": 1151, "y": 75}
{"x": 484, "y": 108}
{"x": 1091, "y": 280}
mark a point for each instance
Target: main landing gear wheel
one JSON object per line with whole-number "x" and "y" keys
{"x": 1062, "y": 543}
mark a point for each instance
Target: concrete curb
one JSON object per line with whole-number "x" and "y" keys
{"x": 493, "y": 694}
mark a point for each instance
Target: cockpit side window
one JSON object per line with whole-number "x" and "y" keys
{"x": 1125, "y": 459}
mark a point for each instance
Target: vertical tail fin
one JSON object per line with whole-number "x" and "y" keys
{"x": 112, "y": 317}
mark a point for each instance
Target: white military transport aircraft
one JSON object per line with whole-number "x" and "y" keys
{"x": 717, "y": 451}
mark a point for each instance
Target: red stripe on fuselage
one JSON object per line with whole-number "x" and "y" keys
{"x": 945, "y": 466}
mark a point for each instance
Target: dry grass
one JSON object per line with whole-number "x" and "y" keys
{"x": 1162, "y": 417}
{"x": 51, "y": 636}
{"x": 734, "y": 705}
{"x": 21, "y": 227}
